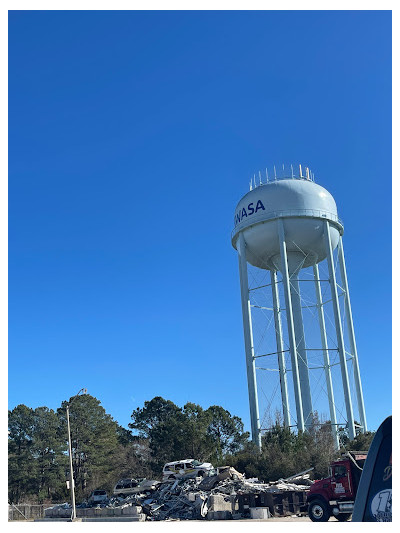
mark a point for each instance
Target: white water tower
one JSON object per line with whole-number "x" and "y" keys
{"x": 287, "y": 226}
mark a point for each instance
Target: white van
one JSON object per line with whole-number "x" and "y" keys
{"x": 185, "y": 467}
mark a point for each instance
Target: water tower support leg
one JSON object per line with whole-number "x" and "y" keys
{"x": 290, "y": 324}
{"x": 248, "y": 343}
{"x": 327, "y": 367}
{"x": 352, "y": 338}
{"x": 339, "y": 332}
{"x": 279, "y": 349}
{"x": 301, "y": 349}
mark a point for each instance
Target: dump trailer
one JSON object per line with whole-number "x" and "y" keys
{"x": 335, "y": 494}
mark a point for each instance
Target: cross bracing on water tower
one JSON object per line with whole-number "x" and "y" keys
{"x": 300, "y": 348}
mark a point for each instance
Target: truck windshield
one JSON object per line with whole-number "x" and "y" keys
{"x": 196, "y": 463}
{"x": 340, "y": 471}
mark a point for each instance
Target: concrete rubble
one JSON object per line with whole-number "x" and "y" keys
{"x": 225, "y": 495}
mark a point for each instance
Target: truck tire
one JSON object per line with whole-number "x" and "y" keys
{"x": 343, "y": 517}
{"x": 201, "y": 473}
{"x": 319, "y": 511}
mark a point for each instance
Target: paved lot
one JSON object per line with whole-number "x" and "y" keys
{"x": 285, "y": 519}
{"x": 290, "y": 519}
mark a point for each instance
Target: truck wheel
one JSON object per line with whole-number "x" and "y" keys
{"x": 201, "y": 473}
{"x": 319, "y": 511}
{"x": 343, "y": 517}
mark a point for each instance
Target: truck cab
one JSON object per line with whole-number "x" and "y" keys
{"x": 335, "y": 494}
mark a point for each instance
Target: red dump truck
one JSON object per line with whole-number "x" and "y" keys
{"x": 335, "y": 494}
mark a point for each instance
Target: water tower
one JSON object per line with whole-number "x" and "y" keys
{"x": 289, "y": 226}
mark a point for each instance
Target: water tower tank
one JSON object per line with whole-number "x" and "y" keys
{"x": 283, "y": 226}
{"x": 303, "y": 205}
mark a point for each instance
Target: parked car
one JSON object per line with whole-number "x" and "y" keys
{"x": 185, "y": 467}
{"x": 98, "y": 496}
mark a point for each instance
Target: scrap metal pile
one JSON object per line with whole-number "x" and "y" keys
{"x": 225, "y": 495}
{"x": 222, "y": 495}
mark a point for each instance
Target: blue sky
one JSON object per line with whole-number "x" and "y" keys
{"x": 132, "y": 135}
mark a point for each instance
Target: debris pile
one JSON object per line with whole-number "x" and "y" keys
{"x": 220, "y": 496}
{"x": 224, "y": 494}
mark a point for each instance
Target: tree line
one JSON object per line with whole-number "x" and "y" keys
{"x": 104, "y": 452}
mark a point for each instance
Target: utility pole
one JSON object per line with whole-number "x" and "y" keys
{"x": 71, "y": 472}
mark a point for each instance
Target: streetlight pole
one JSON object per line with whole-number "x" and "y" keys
{"x": 71, "y": 472}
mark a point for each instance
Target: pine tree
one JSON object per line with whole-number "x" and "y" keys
{"x": 175, "y": 433}
{"x": 21, "y": 469}
{"x": 94, "y": 440}
{"x": 47, "y": 451}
